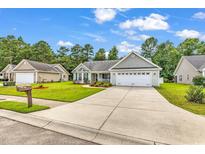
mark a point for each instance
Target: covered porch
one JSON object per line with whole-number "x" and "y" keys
{"x": 91, "y": 77}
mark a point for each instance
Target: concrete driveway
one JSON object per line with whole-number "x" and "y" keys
{"x": 134, "y": 112}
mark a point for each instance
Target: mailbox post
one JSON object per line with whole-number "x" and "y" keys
{"x": 28, "y": 90}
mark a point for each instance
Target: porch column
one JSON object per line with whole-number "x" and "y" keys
{"x": 82, "y": 77}
{"x": 74, "y": 76}
{"x": 36, "y": 77}
{"x": 98, "y": 76}
{"x": 89, "y": 77}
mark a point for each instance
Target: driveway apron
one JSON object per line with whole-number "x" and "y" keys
{"x": 133, "y": 111}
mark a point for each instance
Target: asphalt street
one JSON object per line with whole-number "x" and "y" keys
{"x": 17, "y": 133}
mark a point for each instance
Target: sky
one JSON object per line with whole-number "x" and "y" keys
{"x": 103, "y": 28}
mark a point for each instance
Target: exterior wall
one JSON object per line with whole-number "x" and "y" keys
{"x": 48, "y": 77}
{"x": 64, "y": 75}
{"x": 25, "y": 66}
{"x": 155, "y": 78}
{"x": 113, "y": 78}
{"x": 133, "y": 61}
{"x": 7, "y": 73}
{"x": 187, "y": 71}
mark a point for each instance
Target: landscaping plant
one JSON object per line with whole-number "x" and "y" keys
{"x": 195, "y": 94}
{"x": 198, "y": 80}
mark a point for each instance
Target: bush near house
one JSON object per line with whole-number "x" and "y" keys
{"x": 101, "y": 84}
{"x": 9, "y": 83}
{"x": 195, "y": 94}
{"x": 199, "y": 80}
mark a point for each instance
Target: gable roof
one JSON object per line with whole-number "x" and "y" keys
{"x": 198, "y": 61}
{"x": 107, "y": 65}
{"x": 9, "y": 66}
{"x": 152, "y": 65}
{"x": 39, "y": 66}
{"x": 100, "y": 65}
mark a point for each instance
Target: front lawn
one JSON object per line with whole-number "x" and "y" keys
{"x": 21, "y": 107}
{"x": 175, "y": 93}
{"x": 61, "y": 91}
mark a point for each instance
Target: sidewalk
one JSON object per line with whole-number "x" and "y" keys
{"x": 49, "y": 103}
{"x": 88, "y": 134}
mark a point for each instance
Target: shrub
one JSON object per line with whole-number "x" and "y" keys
{"x": 9, "y": 83}
{"x": 198, "y": 80}
{"x": 101, "y": 84}
{"x": 195, "y": 94}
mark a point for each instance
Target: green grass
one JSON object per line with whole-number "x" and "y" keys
{"x": 20, "y": 107}
{"x": 61, "y": 91}
{"x": 175, "y": 93}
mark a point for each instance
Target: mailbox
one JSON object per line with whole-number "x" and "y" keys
{"x": 28, "y": 91}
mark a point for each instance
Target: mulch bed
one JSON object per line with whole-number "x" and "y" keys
{"x": 40, "y": 88}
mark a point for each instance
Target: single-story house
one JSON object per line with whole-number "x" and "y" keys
{"x": 189, "y": 67}
{"x": 28, "y": 71}
{"x": 7, "y": 73}
{"x": 132, "y": 70}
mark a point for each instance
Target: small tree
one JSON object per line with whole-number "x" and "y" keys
{"x": 198, "y": 80}
{"x": 195, "y": 94}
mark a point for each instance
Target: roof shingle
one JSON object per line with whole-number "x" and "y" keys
{"x": 100, "y": 65}
{"x": 198, "y": 61}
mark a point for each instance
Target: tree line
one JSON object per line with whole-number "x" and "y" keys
{"x": 166, "y": 55}
{"x": 13, "y": 50}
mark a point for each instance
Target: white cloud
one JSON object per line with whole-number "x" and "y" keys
{"x": 151, "y": 22}
{"x": 103, "y": 15}
{"x": 123, "y": 9}
{"x": 128, "y": 47}
{"x": 65, "y": 43}
{"x": 184, "y": 34}
{"x": 131, "y": 35}
{"x": 96, "y": 38}
{"x": 188, "y": 34}
{"x": 199, "y": 15}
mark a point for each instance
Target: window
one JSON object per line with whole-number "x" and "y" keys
{"x": 119, "y": 73}
{"x": 147, "y": 73}
{"x": 143, "y": 73}
{"x": 154, "y": 73}
{"x": 123, "y": 73}
{"x": 105, "y": 76}
{"x": 130, "y": 73}
{"x": 139, "y": 73}
{"x": 126, "y": 73}
{"x": 134, "y": 73}
{"x": 187, "y": 76}
{"x": 180, "y": 78}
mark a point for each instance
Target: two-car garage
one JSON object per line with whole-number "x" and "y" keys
{"x": 134, "y": 79}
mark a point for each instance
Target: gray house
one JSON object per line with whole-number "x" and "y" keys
{"x": 132, "y": 70}
{"x": 7, "y": 73}
{"x": 189, "y": 67}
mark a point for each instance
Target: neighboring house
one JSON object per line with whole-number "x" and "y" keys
{"x": 132, "y": 70}
{"x": 189, "y": 67}
{"x": 7, "y": 73}
{"x": 28, "y": 71}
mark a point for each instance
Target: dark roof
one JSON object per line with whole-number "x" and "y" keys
{"x": 198, "y": 61}
{"x": 42, "y": 67}
{"x": 100, "y": 65}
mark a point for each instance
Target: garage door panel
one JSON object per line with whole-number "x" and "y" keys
{"x": 24, "y": 78}
{"x": 133, "y": 79}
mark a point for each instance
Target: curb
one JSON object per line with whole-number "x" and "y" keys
{"x": 89, "y": 134}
